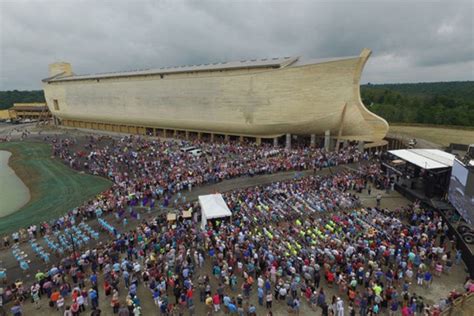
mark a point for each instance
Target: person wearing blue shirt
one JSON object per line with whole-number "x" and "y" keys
{"x": 260, "y": 296}
{"x": 211, "y": 252}
{"x": 133, "y": 289}
{"x": 16, "y": 310}
{"x": 268, "y": 285}
{"x": 187, "y": 284}
{"x": 24, "y": 265}
{"x": 126, "y": 278}
{"x": 116, "y": 267}
{"x": 252, "y": 310}
{"x": 93, "y": 279}
{"x": 226, "y": 300}
{"x": 185, "y": 272}
{"x": 136, "y": 301}
{"x": 394, "y": 306}
{"x": 93, "y": 298}
{"x": 428, "y": 278}
{"x": 232, "y": 308}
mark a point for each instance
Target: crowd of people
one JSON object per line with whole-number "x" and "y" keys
{"x": 306, "y": 241}
{"x": 152, "y": 171}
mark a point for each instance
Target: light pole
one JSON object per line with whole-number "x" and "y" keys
{"x": 73, "y": 246}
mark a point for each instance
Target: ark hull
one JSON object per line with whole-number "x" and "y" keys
{"x": 299, "y": 98}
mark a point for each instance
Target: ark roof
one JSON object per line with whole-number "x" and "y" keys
{"x": 279, "y": 62}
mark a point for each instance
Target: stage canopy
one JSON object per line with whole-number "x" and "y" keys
{"x": 212, "y": 206}
{"x": 425, "y": 158}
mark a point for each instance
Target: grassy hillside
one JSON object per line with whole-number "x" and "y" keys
{"x": 55, "y": 189}
{"x": 442, "y": 136}
{"x": 445, "y": 103}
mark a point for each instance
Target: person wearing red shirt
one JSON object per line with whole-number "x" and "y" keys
{"x": 75, "y": 308}
{"x": 330, "y": 278}
{"x": 216, "y": 301}
{"x": 189, "y": 294}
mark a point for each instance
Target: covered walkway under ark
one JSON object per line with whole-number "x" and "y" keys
{"x": 328, "y": 140}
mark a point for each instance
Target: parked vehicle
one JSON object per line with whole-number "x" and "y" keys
{"x": 467, "y": 233}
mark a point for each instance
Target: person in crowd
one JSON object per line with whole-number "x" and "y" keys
{"x": 282, "y": 238}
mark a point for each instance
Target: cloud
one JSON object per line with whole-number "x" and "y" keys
{"x": 411, "y": 40}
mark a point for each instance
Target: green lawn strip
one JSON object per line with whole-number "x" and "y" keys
{"x": 54, "y": 188}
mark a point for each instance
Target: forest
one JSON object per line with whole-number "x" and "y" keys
{"x": 7, "y": 98}
{"x": 443, "y": 103}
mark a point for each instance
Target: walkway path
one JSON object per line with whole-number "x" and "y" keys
{"x": 244, "y": 182}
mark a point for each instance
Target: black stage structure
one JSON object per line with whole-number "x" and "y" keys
{"x": 424, "y": 175}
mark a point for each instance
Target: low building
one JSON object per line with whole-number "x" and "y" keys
{"x": 31, "y": 111}
{"x": 4, "y": 115}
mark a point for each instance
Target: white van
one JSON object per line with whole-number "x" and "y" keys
{"x": 188, "y": 149}
{"x": 196, "y": 152}
{"x": 193, "y": 150}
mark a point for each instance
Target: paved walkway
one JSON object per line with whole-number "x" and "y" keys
{"x": 244, "y": 182}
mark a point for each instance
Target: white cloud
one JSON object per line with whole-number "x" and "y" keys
{"x": 411, "y": 40}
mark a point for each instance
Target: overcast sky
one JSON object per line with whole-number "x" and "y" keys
{"x": 412, "y": 41}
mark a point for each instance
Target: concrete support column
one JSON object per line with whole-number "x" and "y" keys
{"x": 212, "y": 137}
{"x": 175, "y": 133}
{"x": 288, "y": 141}
{"x": 187, "y": 135}
{"x": 313, "y": 140}
{"x": 241, "y": 139}
{"x": 226, "y": 138}
{"x": 258, "y": 141}
{"x": 199, "y": 135}
{"x": 275, "y": 142}
{"x": 361, "y": 146}
{"x": 164, "y": 133}
{"x": 327, "y": 139}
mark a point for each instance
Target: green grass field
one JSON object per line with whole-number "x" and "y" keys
{"x": 439, "y": 135}
{"x": 54, "y": 188}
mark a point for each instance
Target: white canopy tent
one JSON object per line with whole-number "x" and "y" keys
{"x": 425, "y": 158}
{"x": 212, "y": 206}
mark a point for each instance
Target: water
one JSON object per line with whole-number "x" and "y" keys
{"x": 13, "y": 192}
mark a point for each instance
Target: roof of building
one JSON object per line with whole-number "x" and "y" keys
{"x": 28, "y": 108}
{"x": 29, "y": 104}
{"x": 277, "y": 62}
{"x": 426, "y": 158}
{"x": 4, "y": 114}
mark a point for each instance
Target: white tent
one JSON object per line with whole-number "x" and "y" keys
{"x": 425, "y": 158}
{"x": 212, "y": 206}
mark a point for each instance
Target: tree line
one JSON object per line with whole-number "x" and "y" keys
{"x": 7, "y": 98}
{"x": 445, "y": 103}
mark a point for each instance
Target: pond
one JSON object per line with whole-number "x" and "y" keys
{"x": 13, "y": 192}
